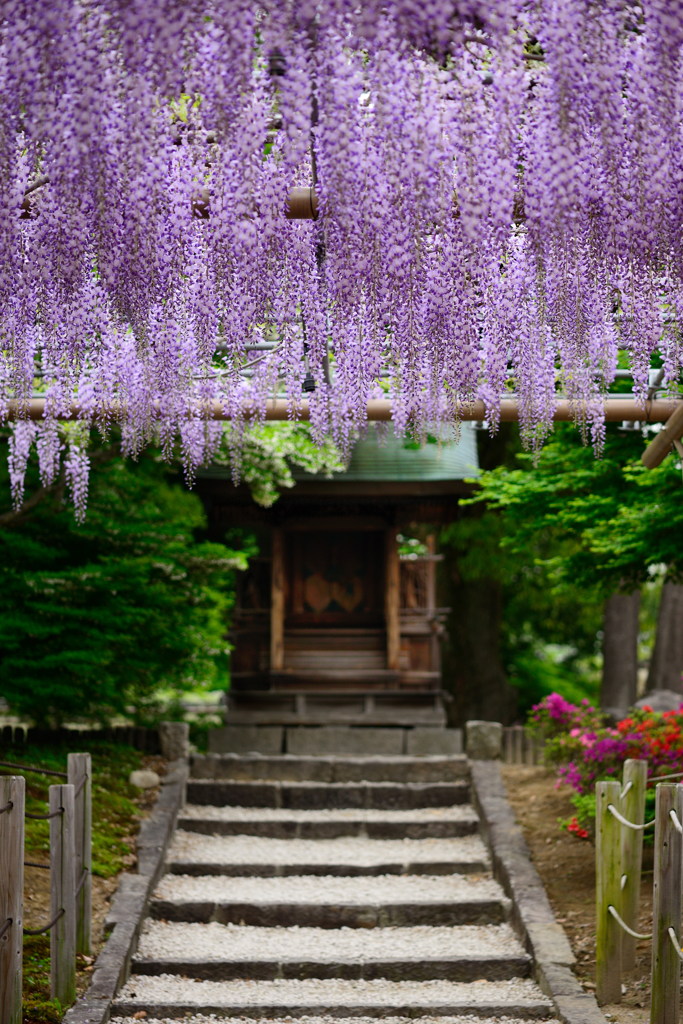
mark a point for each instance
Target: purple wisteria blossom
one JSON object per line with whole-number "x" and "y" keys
{"x": 500, "y": 189}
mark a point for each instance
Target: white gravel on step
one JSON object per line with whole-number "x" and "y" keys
{"x": 326, "y": 889}
{"x": 221, "y": 942}
{"x": 349, "y": 850}
{"x": 169, "y": 989}
{"x": 216, "y": 1019}
{"x": 200, "y": 812}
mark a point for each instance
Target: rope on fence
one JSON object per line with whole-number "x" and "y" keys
{"x": 674, "y": 942}
{"x": 41, "y": 931}
{"x": 45, "y": 817}
{"x": 617, "y": 917}
{"x": 8, "y": 807}
{"x": 629, "y": 824}
{"x": 6, "y": 927}
{"x": 663, "y": 778}
{"x": 675, "y": 821}
{"x": 80, "y": 785}
{"x": 35, "y": 864}
{"x": 30, "y": 768}
{"x": 627, "y": 789}
{"x": 82, "y": 881}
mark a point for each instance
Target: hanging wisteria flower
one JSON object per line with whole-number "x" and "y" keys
{"x": 499, "y": 191}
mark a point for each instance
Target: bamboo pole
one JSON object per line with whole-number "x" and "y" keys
{"x": 79, "y": 774}
{"x": 662, "y": 443}
{"x": 616, "y": 409}
{"x": 666, "y": 965}
{"x": 12, "y": 790}
{"x": 607, "y": 893}
{"x": 633, "y": 808}
{"x": 63, "y": 902}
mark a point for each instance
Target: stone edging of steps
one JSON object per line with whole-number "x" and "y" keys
{"x": 129, "y": 906}
{"x": 532, "y": 915}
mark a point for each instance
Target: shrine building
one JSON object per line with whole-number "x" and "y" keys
{"x": 336, "y": 620}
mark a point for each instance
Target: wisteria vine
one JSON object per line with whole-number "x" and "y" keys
{"x": 500, "y": 190}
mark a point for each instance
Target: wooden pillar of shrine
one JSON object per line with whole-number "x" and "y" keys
{"x": 392, "y": 609}
{"x": 277, "y": 603}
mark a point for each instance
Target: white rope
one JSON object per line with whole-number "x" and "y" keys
{"x": 623, "y": 881}
{"x": 674, "y": 943}
{"x": 636, "y": 935}
{"x": 629, "y": 824}
{"x": 675, "y": 821}
{"x": 627, "y": 788}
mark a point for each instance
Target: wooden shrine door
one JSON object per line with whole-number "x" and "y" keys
{"x": 332, "y": 606}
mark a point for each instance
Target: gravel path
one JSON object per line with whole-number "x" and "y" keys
{"x": 326, "y": 889}
{"x": 216, "y": 942}
{"x": 349, "y": 850}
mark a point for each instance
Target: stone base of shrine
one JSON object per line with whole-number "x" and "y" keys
{"x": 324, "y": 740}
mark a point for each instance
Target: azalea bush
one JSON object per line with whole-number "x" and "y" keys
{"x": 586, "y": 748}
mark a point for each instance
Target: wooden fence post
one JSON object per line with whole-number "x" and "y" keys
{"x": 607, "y": 893}
{"x": 633, "y": 808}
{"x": 12, "y": 790}
{"x": 666, "y": 965}
{"x": 63, "y": 902}
{"x": 79, "y": 774}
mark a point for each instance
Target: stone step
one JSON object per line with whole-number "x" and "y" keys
{"x": 330, "y": 901}
{"x": 431, "y": 822}
{"x": 313, "y": 795}
{"x": 288, "y": 768}
{"x": 196, "y": 854}
{"x": 218, "y": 952}
{"x": 198, "y": 1018}
{"x": 174, "y": 997}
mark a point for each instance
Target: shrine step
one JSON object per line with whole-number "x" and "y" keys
{"x": 217, "y": 952}
{"x": 173, "y": 997}
{"x": 433, "y": 822}
{"x": 193, "y": 854}
{"x": 302, "y": 795}
{"x": 290, "y": 768}
{"x": 330, "y": 902}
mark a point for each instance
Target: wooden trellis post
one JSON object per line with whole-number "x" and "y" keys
{"x": 12, "y": 790}
{"x": 79, "y": 774}
{"x": 666, "y": 964}
{"x": 63, "y": 892}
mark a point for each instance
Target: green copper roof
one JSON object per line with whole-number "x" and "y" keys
{"x": 391, "y": 458}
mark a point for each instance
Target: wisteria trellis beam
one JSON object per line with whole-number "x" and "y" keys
{"x": 500, "y": 200}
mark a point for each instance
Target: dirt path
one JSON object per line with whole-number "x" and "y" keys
{"x": 567, "y": 868}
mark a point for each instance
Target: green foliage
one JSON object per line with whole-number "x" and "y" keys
{"x": 605, "y": 521}
{"x": 94, "y": 617}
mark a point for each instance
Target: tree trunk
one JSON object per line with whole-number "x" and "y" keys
{"x": 620, "y": 652}
{"x": 666, "y": 663}
{"x": 473, "y": 672}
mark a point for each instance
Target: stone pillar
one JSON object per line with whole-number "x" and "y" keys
{"x": 483, "y": 740}
{"x": 174, "y": 738}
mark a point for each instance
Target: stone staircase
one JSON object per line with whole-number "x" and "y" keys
{"x": 329, "y": 887}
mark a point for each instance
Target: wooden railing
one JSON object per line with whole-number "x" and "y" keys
{"x": 70, "y": 817}
{"x": 620, "y": 824}
{"x": 521, "y": 746}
